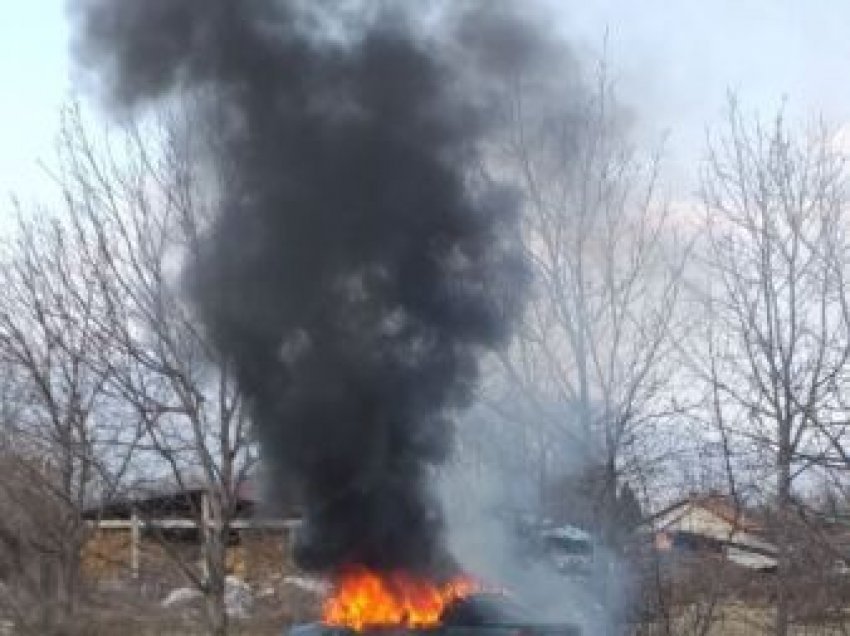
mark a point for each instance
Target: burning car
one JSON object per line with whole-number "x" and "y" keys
{"x": 401, "y": 604}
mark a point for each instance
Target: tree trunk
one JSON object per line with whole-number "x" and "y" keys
{"x": 69, "y": 580}
{"x": 215, "y": 565}
{"x": 782, "y": 538}
{"x": 611, "y": 544}
{"x": 216, "y": 609}
{"x": 603, "y": 499}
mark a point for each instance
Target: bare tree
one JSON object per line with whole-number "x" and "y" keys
{"x": 776, "y": 341}
{"x": 139, "y": 216}
{"x": 62, "y": 445}
{"x": 590, "y": 366}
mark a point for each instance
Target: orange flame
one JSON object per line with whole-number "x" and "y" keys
{"x": 363, "y": 598}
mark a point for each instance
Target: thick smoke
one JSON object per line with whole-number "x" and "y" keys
{"x": 357, "y": 270}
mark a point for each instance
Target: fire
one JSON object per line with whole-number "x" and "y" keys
{"x": 363, "y": 598}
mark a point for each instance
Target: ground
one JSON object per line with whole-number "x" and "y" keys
{"x": 737, "y": 619}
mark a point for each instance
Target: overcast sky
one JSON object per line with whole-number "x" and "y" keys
{"x": 34, "y": 72}
{"x": 674, "y": 60}
{"x": 677, "y": 60}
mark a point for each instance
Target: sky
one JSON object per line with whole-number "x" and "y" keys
{"x": 34, "y": 67}
{"x": 674, "y": 63}
{"x": 677, "y": 61}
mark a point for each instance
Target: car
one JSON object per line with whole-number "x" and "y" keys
{"x": 476, "y": 615}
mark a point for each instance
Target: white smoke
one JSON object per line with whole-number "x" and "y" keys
{"x": 488, "y": 488}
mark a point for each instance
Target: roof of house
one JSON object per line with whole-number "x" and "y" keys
{"x": 721, "y": 506}
{"x": 174, "y": 501}
{"x": 750, "y": 559}
{"x": 163, "y": 503}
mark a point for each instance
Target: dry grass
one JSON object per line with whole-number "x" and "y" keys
{"x": 133, "y": 610}
{"x": 738, "y": 619}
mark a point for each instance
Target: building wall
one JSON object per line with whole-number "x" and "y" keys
{"x": 256, "y": 556}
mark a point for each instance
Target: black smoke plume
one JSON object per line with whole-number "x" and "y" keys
{"x": 357, "y": 270}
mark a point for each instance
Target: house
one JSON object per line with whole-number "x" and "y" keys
{"x": 712, "y": 524}
{"x": 146, "y": 533}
